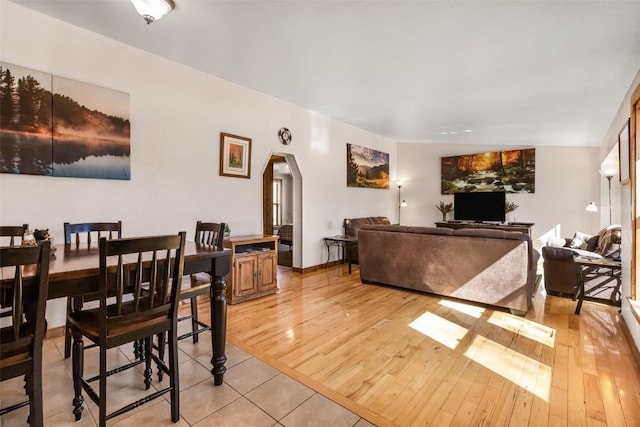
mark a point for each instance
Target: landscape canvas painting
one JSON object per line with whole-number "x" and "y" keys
{"x": 509, "y": 171}
{"x": 91, "y": 131}
{"x": 367, "y": 167}
{"x": 25, "y": 121}
{"x": 54, "y": 126}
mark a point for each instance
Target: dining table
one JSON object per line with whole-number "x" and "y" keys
{"x": 74, "y": 271}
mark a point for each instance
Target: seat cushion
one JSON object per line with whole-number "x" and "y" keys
{"x": 11, "y": 348}
{"x": 88, "y": 321}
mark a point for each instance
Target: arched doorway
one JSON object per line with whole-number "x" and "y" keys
{"x": 283, "y": 166}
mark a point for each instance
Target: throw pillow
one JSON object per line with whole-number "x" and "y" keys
{"x": 613, "y": 251}
{"x": 556, "y": 242}
{"x": 587, "y": 254}
{"x": 579, "y": 240}
{"x": 605, "y": 238}
{"x": 592, "y": 243}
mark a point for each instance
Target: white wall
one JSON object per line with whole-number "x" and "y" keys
{"x": 622, "y": 194}
{"x": 566, "y": 181}
{"x": 177, "y": 114}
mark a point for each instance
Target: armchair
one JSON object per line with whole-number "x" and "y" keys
{"x": 562, "y": 275}
{"x": 354, "y": 225}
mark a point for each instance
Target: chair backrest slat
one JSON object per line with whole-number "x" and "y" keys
{"x": 156, "y": 262}
{"x": 114, "y": 230}
{"x": 209, "y": 233}
{"x": 17, "y": 302}
{"x": 22, "y": 289}
{"x": 13, "y": 231}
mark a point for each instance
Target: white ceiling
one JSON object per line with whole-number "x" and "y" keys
{"x": 511, "y": 72}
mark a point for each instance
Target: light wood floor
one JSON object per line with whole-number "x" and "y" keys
{"x": 396, "y": 357}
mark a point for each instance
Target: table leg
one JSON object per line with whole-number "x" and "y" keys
{"x": 218, "y": 327}
{"x": 328, "y": 253}
{"x": 580, "y": 289}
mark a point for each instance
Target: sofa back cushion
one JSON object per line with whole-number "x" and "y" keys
{"x": 357, "y": 223}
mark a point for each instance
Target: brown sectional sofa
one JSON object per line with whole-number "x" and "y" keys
{"x": 486, "y": 266}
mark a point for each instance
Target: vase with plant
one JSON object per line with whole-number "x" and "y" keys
{"x": 510, "y": 207}
{"x": 444, "y": 209}
{"x": 227, "y": 230}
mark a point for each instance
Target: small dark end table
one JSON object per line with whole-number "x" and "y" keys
{"x": 598, "y": 267}
{"x": 345, "y": 243}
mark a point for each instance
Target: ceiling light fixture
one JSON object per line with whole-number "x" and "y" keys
{"x": 152, "y": 10}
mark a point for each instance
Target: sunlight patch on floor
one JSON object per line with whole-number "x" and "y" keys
{"x": 521, "y": 326}
{"x": 521, "y": 370}
{"x": 471, "y": 310}
{"x": 439, "y": 329}
{"x": 518, "y": 368}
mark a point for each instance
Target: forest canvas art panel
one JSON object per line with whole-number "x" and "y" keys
{"x": 510, "y": 171}
{"x": 54, "y": 126}
{"x": 91, "y": 131}
{"x": 25, "y": 121}
{"x": 367, "y": 167}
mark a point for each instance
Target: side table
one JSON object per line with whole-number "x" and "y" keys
{"x": 345, "y": 243}
{"x": 596, "y": 267}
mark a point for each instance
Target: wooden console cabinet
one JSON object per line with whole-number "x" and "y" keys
{"x": 254, "y": 267}
{"x": 521, "y": 227}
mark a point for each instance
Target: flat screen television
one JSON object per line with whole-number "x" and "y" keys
{"x": 479, "y": 207}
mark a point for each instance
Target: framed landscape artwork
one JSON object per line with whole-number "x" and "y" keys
{"x": 235, "y": 156}
{"x": 61, "y": 127}
{"x": 509, "y": 171}
{"x": 367, "y": 167}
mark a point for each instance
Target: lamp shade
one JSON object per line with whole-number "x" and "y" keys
{"x": 152, "y": 10}
{"x": 608, "y": 169}
{"x": 591, "y": 207}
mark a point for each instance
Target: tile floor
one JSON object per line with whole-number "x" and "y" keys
{"x": 253, "y": 393}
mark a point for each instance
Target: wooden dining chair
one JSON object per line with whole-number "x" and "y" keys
{"x": 126, "y": 315}
{"x": 85, "y": 233}
{"x": 11, "y": 235}
{"x": 193, "y": 286}
{"x": 12, "y": 231}
{"x": 21, "y": 337}
{"x": 209, "y": 234}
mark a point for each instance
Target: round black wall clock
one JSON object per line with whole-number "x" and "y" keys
{"x": 285, "y": 136}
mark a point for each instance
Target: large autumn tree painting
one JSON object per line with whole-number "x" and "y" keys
{"x": 50, "y": 125}
{"x": 509, "y": 171}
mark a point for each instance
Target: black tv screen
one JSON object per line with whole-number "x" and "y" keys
{"x": 479, "y": 206}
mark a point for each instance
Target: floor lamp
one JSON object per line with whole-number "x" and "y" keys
{"x": 401, "y": 204}
{"x": 609, "y": 179}
{"x": 593, "y": 206}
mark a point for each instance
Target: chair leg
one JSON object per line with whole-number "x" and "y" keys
{"x": 36, "y": 414}
{"x": 147, "y": 362}
{"x": 162, "y": 345}
{"x": 194, "y": 319}
{"x": 67, "y": 331}
{"x": 77, "y": 363}
{"x": 102, "y": 398}
{"x": 174, "y": 377}
{"x": 138, "y": 349}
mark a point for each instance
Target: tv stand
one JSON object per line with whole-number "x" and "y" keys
{"x": 524, "y": 228}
